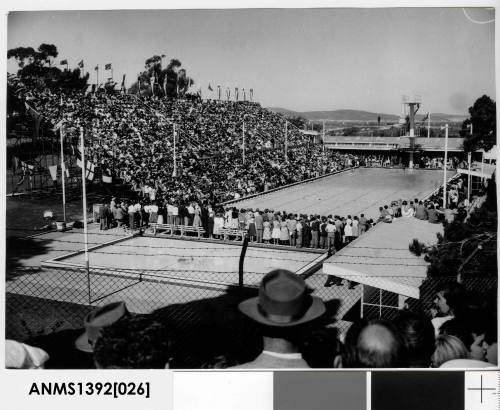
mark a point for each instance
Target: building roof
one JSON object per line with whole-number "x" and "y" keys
{"x": 381, "y": 258}
{"x": 391, "y": 143}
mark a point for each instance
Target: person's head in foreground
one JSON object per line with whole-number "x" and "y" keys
{"x": 448, "y": 348}
{"x": 22, "y": 356}
{"x": 96, "y": 321}
{"x": 136, "y": 342}
{"x": 283, "y": 307}
{"x": 450, "y": 299}
{"x": 376, "y": 343}
{"x": 418, "y": 333}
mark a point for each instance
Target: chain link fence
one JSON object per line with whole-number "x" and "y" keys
{"x": 202, "y": 312}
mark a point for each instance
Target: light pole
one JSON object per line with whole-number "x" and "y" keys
{"x": 244, "y": 148}
{"x": 469, "y": 159}
{"x": 174, "y": 173}
{"x": 445, "y": 164}
{"x": 323, "y": 136}
{"x": 61, "y": 131}
{"x": 286, "y": 140}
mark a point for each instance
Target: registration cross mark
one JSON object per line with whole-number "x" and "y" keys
{"x": 481, "y": 388}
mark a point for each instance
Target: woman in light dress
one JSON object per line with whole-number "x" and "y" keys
{"x": 197, "y": 216}
{"x": 266, "y": 235}
{"x": 276, "y": 230}
{"x": 284, "y": 233}
{"x": 218, "y": 224}
{"x": 348, "y": 231}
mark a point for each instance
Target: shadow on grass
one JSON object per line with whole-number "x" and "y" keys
{"x": 18, "y": 249}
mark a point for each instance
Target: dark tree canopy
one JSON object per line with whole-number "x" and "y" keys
{"x": 170, "y": 81}
{"x": 298, "y": 121}
{"x": 483, "y": 120}
{"x": 36, "y": 67}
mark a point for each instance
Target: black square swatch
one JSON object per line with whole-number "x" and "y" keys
{"x": 429, "y": 390}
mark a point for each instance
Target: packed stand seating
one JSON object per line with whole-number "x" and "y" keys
{"x": 132, "y": 138}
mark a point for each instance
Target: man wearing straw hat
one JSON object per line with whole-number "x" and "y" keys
{"x": 283, "y": 306}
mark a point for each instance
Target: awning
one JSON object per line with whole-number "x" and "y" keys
{"x": 478, "y": 170}
{"x": 381, "y": 258}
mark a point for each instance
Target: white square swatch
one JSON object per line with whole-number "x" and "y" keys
{"x": 223, "y": 390}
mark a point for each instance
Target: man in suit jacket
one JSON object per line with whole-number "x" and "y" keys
{"x": 259, "y": 225}
{"x": 283, "y": 305}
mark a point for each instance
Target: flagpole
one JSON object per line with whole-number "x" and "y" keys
{"x": 286, "y": 141}
{"x": 429, "y": 125}
{"x": 62, "y": 172}
{"x": 175, "y": 153}
{"x": 84, "y": 193}
{"x": 444, "y": 165}
{"x": 244, "y": 139}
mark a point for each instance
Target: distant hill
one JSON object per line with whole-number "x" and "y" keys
{"x": 358, "y": 115}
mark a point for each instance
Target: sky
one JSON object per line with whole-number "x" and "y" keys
{"x": 300, "y": 59}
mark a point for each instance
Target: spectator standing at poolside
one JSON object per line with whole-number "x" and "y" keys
{"x": 259, "y": 225}
{"x": 314, "y": 232}
{"x": 299, "y": 232}
{"x": 292, "y": 229}
{"x": 363, "y": 222}
{"x": 331, "y": 231}
{"x": 355, "y": 227}
{"x": 284, "y": 234}
{"x": 276, "y": 233}
{"x": 323, "y": 234}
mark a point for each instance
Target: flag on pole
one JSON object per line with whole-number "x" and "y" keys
{"x": 80, "y": 64}
{"x": 27, "y": 168}
{"x": 107, "y": 66}
{"x": 210, "y": 87}
{"x": 37, "y": 117}
{"x": 53, "y": 172}
{"x": 106, "y": 175}
{"x": 65, "y": 169}
{"x": 64, "y": 62}
{"x": 57, "y": 126}
{"x": 89, "y": 171}
{"x": 78, "y": 154}
{"x": 425, "y": 118}
{"x": 96, "y": 67}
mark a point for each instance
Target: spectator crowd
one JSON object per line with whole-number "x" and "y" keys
{"x": 291, "y": 331}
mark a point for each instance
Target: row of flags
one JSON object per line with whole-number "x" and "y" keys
{"x": 106, "y": 67}
{"x": 81, "y": 65}
{"x": 28, "y": 170}
{"x": 236, "y": 93}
